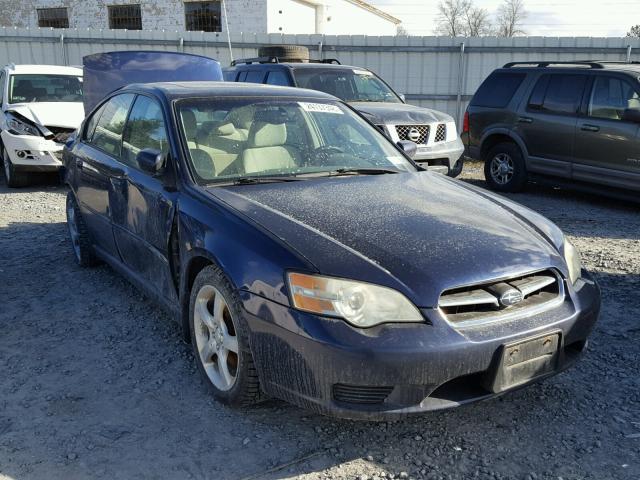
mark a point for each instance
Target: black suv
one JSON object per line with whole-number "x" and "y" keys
{"x": 578, "y": 122}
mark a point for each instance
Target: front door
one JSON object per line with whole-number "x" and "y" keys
{"x": 608, "y": 146}
{"x": 143, "y": 208}
{"x": 547, "y": 122}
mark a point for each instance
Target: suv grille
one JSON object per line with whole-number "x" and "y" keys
{"x": 405, "y": 130}
{"x": 488, "y": 303}
{"x": 441, "y": 133}
{"x": 61, "y": 134}
{"x": 360, "y": 394}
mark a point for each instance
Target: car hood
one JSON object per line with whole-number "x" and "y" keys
{"x": 51, "y": 114}
{"x": 420, "y": 233}
{"x": 399, "y": 113}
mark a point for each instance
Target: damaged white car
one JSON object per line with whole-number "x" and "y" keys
{"x": 41, "y": 108}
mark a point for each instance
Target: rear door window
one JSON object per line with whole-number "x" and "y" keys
{"x": 497, "y": 90}
{"x": 254, "y": 76}
{"x": 278, "y": 77}
{"x": 558, "y": 93}
{"x": 108, "y": 132}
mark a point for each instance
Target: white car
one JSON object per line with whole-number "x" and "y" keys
{"x": 41, "y": 108}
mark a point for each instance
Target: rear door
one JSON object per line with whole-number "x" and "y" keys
{"x": 143, "y": 204}
{"x": 547, "y": 122}
{"x": 608, "y": 147}
{"x": 96, "y": 165}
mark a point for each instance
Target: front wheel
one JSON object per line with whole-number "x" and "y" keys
{"x": 457, "y": 168}
{"x": 505, "y": 169}
{"x": 13, "y": 178}
{"x": 219, "y": 339}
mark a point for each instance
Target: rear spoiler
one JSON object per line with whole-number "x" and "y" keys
{"x": 106, "y": 72}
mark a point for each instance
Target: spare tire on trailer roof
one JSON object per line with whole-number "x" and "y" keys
{"x": 285, "y": 53}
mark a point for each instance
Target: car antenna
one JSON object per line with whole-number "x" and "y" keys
{"x": 226, "y": 23}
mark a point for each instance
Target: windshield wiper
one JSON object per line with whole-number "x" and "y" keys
{"x": 265, "y": 179}
{"x": 362, "y": 171}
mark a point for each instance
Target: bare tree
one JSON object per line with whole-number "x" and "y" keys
{"x": 510, "y": 16}
{"x": 477, "y": 22}
{"x": 451, "y": 19}
{"x": 401, "y": 31}
{"x": 634, "y": 32}
{"x": 462, "y": 18}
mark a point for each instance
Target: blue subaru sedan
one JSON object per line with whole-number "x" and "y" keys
{"x": 309, "y": 259}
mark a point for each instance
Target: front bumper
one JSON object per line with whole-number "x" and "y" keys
{"x": 391, "y": 371}
{"x": 36, "y": 153}
{"x": 447, "y": 153}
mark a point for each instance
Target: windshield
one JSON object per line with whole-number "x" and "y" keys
{"x": 45, "y": 88}
{"x": 350, "y": 85}
{"x": 236, "y": 138}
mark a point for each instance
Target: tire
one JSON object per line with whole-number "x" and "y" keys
{"x": 220, "y": 340}
{"x": 79, "y": 235}
{"x": 13, "y": 178}
{"x": 504, "y": 168}
{"x": 285, "y": 53}
{"x": 457, "y": 168}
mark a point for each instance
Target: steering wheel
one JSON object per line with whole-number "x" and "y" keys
{"x": 323, "y": 154}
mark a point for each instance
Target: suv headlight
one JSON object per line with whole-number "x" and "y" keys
{"x": 572, "y": 257}
{"x": 21, "y": 127}
{"x": 361, "y": 304}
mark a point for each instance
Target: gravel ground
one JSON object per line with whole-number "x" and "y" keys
{"x": 96, "y": 383}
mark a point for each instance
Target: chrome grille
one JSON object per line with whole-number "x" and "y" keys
{"x": 61, "y": 134}
{"x": 441, "y": 133}
{"x": 404, "y": 131}
{"x": 486, "y": 303}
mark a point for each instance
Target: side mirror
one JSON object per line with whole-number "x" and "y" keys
{"x": 408, "y": 147}
{"x": 151, "y": 161}
{"x": 402, "y": 97}
{"x": 631, "y": 115}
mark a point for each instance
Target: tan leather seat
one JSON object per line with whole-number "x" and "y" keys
{"x": 267, "y": 149}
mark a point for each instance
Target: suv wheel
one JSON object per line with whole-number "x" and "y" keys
{"x": 220, "y": 340}
{"x": 504, "y": 168}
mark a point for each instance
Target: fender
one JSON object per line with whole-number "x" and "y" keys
{"x": 512, "y": 135}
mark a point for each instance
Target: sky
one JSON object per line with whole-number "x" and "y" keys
{"x": 556, "y": 18}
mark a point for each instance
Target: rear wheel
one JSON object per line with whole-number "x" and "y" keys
{"x": 79, "y": 235}
{"x": 219, "y": 339}
{"x": 14, "y": 179}
{"x": 504, "y": 168}
{"x": 457, "y": 168}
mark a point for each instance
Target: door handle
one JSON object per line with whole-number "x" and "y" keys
{"x": 589, "y": 128}
{"x": 525, "y": 120}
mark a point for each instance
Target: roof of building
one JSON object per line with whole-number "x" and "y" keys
{"x": 45, "y": 69}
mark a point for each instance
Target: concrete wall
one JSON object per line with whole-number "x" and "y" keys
{"x": 291, "y": 16}
{"x": 339, "y": 17}
{"x": 431, "y": 71}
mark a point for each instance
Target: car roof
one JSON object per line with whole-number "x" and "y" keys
{"x": 44, "y": 69}
{"x": 176, "y": 90}
{"x": 579, "y": 66}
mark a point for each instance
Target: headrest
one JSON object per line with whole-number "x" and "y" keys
{"x": 190, "y": 123}
{"x": 226, "y": 129}
{"x": 270, "y": 135}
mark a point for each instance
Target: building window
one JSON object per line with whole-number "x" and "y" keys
{"x": 125, "y": 17}
{"x": 203, "y": 16}
{"x": 53, "y": 18}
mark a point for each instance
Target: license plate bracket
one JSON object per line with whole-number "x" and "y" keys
{"x": 525, "y": 360}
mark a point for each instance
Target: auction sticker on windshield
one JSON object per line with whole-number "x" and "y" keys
{"x": 320, "y": 107}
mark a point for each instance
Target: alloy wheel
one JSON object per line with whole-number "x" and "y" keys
{"x": 502, "y": 168}
{"x": 216, "y": 339}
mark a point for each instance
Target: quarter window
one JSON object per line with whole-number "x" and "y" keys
{"x": 611, "y": 96}
{"x": 108, "y": 132}
{"x": 278, "y": 78}
{"x": 558, "y": 93}
{"x": 53, "y": 17}
{"x": 497, "y": 90}
{"x": 202, "y": 16}
{"x": 145, "y": 129}
{"x": 127, "y": 17}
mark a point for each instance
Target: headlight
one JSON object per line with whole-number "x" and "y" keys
{"x": 361, "y": 304}
{"x": 20, "y": 127}
{"x": 572, "y": 257}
